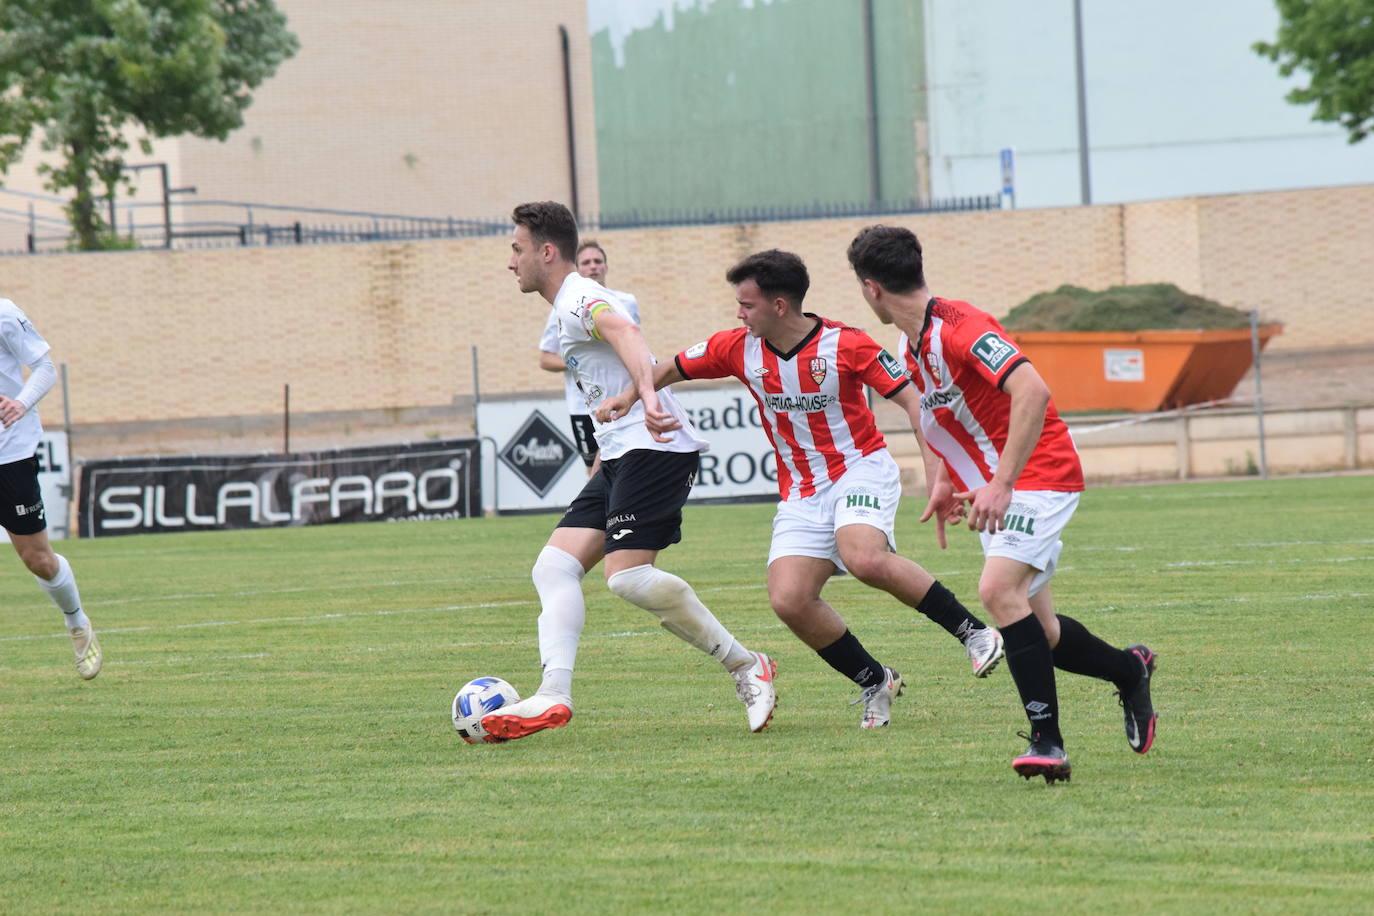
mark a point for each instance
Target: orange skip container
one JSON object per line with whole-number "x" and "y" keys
{"x": 1140, "y": 370}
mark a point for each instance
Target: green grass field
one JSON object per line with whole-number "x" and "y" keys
{"x": 271, "y": 731}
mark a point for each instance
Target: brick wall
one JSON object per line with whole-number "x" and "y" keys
{"x": 159, "y": 335}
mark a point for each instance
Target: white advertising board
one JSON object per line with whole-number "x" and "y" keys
{"x": 529, "y": 461}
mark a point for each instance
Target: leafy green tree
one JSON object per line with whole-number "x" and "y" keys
{"x": 90, "y": 72}
{"x": 1334, "y": 41}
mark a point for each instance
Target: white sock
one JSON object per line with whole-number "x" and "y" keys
{"x": 680, "y": 612}
{"x": 61, "y": 588}
{"x": 558, "y": 579}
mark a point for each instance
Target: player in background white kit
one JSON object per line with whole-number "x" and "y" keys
{"x": 591, "y": 263}
{"x": 630, "y": 509}
{"x": 21, "y": 501}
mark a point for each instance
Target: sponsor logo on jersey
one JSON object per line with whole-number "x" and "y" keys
{"x": 890, "y": 365}
{"x": 933, "y": 367}
{"x": 695, "y": 351}
{"x": 798, "y": 403}
{"x": 940, "y": 399}
{"x": 817, "y": 369}
{"x": 992, "y": 351}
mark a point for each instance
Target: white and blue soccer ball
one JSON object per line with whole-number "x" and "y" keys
{"x": 477, "y": 698}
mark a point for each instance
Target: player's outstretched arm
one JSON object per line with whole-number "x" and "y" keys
{"x": 628, "y": 342}
{"x": 551, "y": 362}
{"x": 615, "y": 407}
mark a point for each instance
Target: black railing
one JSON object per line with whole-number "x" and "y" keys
{"x": 45, "y": 233}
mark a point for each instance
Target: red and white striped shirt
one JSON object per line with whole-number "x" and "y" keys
{"x": 959, "y": 364}
{"x": 811, "y": 400}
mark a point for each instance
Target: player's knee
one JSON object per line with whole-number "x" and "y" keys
{"x": 869, "y": 567}
{"x": 648, "y": 587}
{"x": 1002, "y": 601}
{"x": 41, "y": 561}
{"x": 554, "y": 564}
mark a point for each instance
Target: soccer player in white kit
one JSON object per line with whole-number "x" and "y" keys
{"x": 591, "y": 262}
{"x": 839, "y": 487}
{"x": 629, "y": 510}
{"x": 21, "y": 501}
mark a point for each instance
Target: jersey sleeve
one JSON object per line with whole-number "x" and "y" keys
{"x": 548, "y": 341}
{"x": 719, "y": 356}
{"x": 20, "y": 337}
{"x": 879, "y": 369}
{"x": 985, "y": 347}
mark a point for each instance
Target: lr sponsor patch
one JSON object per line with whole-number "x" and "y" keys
{"x": 993, "y": 351}
{"x": 695, "y": 351}
{"x": 890, "y": 365}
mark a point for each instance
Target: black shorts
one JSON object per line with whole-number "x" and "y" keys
{"x": 636, "y": 499}
{"x": 21, "y": 502}
{"x": 584, "y": 434}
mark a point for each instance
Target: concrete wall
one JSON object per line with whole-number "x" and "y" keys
{"x": 155, "y": 335}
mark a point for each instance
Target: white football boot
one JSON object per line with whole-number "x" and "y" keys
{"x": 984, "y": 648}
{"x": 878, "y": 699}
{"x": 754, "y": 687}
{"x": 541, "y": 711}
{"x": 89, "y": 658}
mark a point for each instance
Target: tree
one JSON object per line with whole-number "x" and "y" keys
{"x": 1334, "y": 41}
{"x": 89, "y": 72}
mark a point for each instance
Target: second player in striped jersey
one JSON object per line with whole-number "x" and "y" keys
{"x": 839, "y": 486}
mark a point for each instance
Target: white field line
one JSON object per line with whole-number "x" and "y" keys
{"x": 332, "y": 616}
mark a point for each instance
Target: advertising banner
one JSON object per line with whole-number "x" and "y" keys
{"x": 531, "y": 462}
{"x": 409, "y": 482}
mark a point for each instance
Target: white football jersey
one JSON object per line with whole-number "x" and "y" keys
{"x": 599, "y": 373}
{"x": 548, "y": 342}
{"x": 20, "y": 346}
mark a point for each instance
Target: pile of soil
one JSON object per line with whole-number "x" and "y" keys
{"x": 1142, "y": 307}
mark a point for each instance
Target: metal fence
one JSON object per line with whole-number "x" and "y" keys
{"x": 240, "y": 224}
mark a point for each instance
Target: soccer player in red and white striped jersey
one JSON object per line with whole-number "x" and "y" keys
{"x": 988, "y": 415}
{"x": 840, "y": 488}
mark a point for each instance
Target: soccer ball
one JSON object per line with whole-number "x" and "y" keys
{"x": 477, "y": 698}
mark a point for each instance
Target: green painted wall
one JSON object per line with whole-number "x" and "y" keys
{"x": 762, "y": 105}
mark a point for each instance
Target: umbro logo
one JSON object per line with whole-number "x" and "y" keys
{"x": 1035, "y": 706}
{"x": 761, "y": 371}
{"x": 621, "y": 533}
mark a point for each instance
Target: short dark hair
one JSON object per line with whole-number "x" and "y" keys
{"x": 592, "y": 243}
{"x": 891, "y": 255}
{"x": 549, "y": 221}
{"x": 778, "y": 274}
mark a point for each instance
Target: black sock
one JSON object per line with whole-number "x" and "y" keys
{"x": 1080, "y": 652}
{"x": 849, "y": 657}
{"x": 1032, "y": 668}
{"x": 940, "y": 605}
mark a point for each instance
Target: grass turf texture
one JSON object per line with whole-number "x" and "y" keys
{"x": 271, "y": 733}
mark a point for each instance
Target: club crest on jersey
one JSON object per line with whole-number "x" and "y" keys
{"x": 933, "y": 367}
{"x": 818, "y": 368}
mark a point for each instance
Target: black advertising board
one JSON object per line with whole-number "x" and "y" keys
{"x": 411, "y": 482}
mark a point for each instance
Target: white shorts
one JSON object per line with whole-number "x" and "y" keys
{"x": 867, "y": 494}
{"x": 1035, "y": 519}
